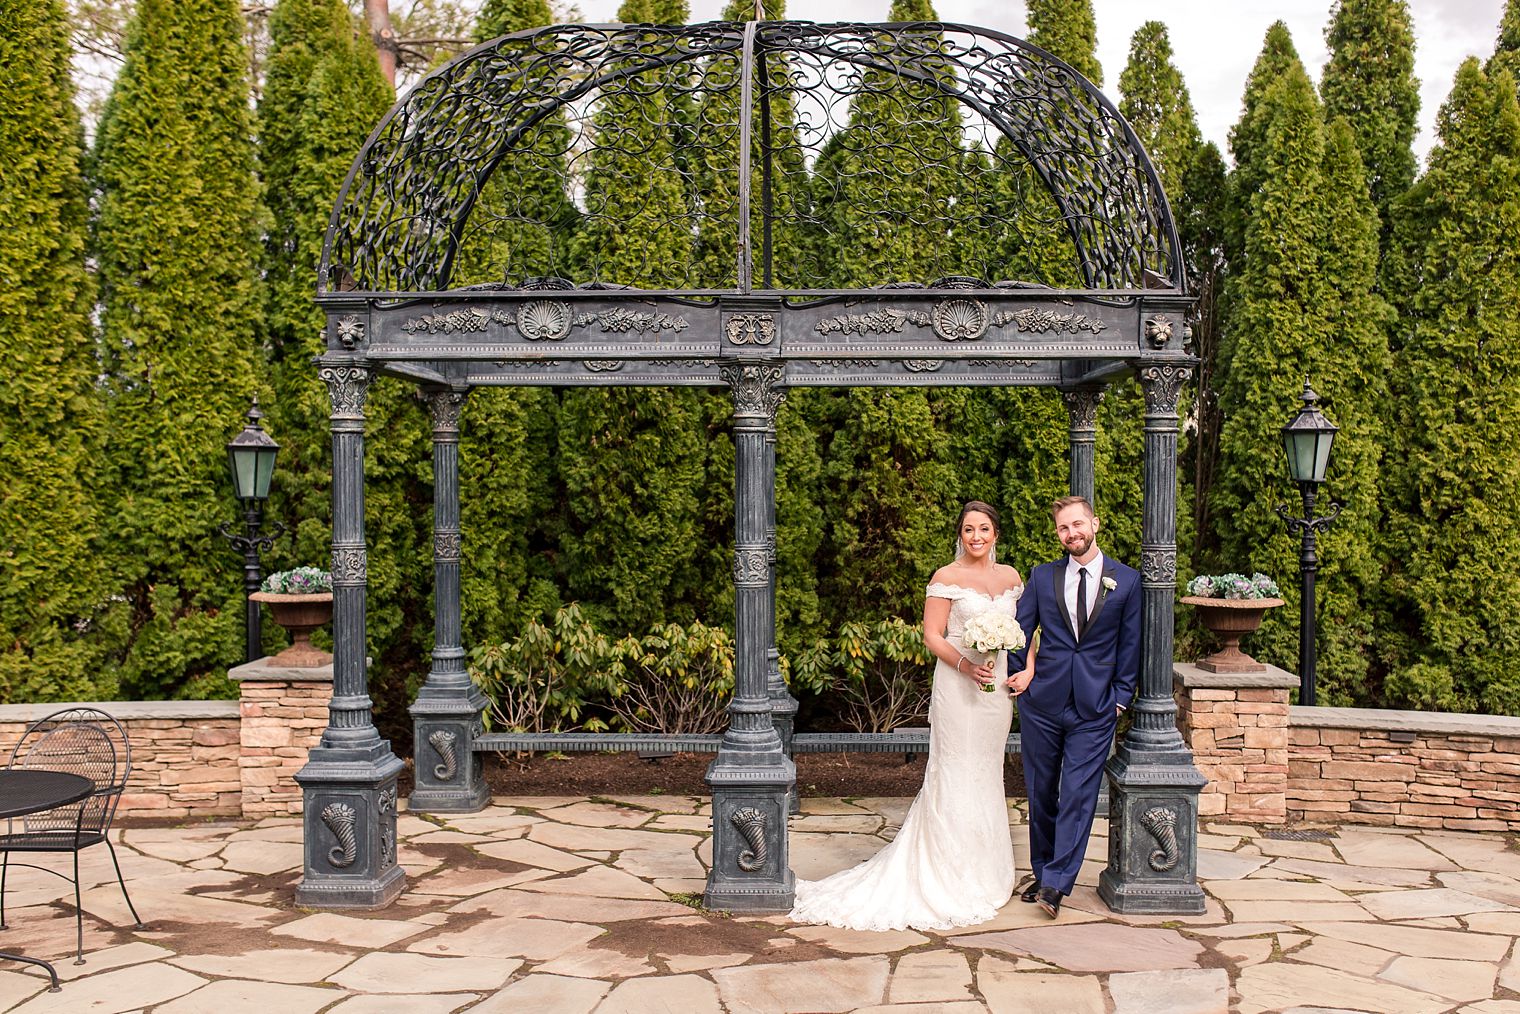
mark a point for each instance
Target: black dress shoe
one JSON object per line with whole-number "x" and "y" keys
{"x": 1049, "y": 900}
{"x": 1027, "y": 895}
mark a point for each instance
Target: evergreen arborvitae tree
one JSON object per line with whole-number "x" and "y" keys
{"x": 177, "y": 257}
{"x": 1304, "y": 306}
{"x": 509, "y": 493}
{"x": 1248, "y": 136}
{"x": 323, "y": 93}
{"x": 1069, "y": 30}
{"x": 633, "y": 462}
{"x": 1457, "y": 392}
{"x": 1156, "y": 103}
{"x": 1370, "y": 81}
{"x": 1507, "y": 48}
{"x": 54, "y": 578}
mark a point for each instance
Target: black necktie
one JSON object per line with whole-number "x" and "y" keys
{"x": 1081, "y": 602}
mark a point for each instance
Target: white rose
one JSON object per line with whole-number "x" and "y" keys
{"x": 1110, "y": 583}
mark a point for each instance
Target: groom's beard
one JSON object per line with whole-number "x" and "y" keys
{"x": 1078, "y": 546}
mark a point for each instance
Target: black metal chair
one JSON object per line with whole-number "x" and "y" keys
{"x": 81, "y": 741}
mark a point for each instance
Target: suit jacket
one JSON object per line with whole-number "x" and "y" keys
{"x": 1101, "y": 670}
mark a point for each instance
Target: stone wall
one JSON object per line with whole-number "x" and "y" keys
{"x": 184, "y": 753}
{"x": 1237, "y": 727}
{"x": 212, "y": 758}
{"x": 1404, "y": 769}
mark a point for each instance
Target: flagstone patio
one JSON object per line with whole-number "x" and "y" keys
{"x": 577, "y": 905}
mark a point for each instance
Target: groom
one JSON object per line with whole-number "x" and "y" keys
{"x": 1088, "y": 609}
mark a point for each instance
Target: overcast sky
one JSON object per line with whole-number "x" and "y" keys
{"x": 1216, "y": 41}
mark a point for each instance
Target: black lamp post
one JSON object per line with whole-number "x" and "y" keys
{"x": 1307, "y": 440}
{"x": 251, "y": 456}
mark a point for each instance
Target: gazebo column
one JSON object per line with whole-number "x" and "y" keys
{"x": 1153, "y": 816}
{"x": 1082, "y": 420}
{"x": 1082, "y": 435}
{"x": 446, "y": 714}
{"x": 349, "y": 781}
{"x": 783, "y": 704}
{"x": 751, "y": 777}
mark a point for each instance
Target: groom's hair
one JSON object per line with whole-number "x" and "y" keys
{"x": 1070, "y": 501}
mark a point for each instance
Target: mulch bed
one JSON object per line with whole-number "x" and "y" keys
{"x": 626, "y": 774}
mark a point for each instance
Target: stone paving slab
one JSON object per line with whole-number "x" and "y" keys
{"x": 583, "y": 906}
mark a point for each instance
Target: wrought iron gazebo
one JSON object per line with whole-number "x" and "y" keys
{"x": 491, "y": 232}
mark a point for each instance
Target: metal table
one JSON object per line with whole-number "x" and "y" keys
{"x": 24, "y": 791}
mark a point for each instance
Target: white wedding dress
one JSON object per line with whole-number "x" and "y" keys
{"x": 951, "y": 864}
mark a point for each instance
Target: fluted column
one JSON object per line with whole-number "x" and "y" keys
{"x": 446, "y": 716}
{"x": 1153, "y": 830}
{"x": 1082, "y": 421}
{"x": 751, "y": 777}
{"x": 349, "y": 781}
{"x": 783, "y": 704}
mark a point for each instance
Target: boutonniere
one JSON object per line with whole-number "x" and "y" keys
{"x": 1110, "y": 583}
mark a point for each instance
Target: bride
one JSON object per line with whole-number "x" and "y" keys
{"x": 951, "y": 864}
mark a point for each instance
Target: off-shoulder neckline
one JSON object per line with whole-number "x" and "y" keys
{"x": 974, "y": 591}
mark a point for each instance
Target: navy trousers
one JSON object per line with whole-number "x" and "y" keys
{"x": 1063, "y": 761}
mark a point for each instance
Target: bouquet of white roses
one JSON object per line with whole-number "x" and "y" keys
{"x": 992, "y": 630}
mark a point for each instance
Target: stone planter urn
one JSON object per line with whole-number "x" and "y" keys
{"x": 299, "y": 615}
{"x": 1230, "y": 620}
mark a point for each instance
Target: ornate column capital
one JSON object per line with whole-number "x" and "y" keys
{"x": 1162, "y": 385}
{"x": 755, "y": 388}
{"x": 444, "y": 405}
{"x": 347, "y": 388}
{"x": 1082, "y": 406}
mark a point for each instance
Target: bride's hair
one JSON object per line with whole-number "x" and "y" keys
{"x": 976, "y": 507}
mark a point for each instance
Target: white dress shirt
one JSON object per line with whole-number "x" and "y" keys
{"x": 1094, "y": 568}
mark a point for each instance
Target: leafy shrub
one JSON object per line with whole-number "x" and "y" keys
{"x": 541, "y": 681}
{"x": 674, "y": 679}
{"x": 879, "y": 674}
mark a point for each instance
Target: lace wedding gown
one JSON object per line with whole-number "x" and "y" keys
{"x": 951, "y": 864}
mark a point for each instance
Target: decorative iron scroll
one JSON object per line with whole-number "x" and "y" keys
{"x": 340, "y": 818}
{"x": 750, "y": 329}
{"x": 544, "y": 320}
{"x": 751, "y": 824}
{"x": 461, "y": 159}
{"x": 1162, "y": 386}
{"x": 346, "y": 389}
{"x": 751, "y": 567}
{"x": 960, "y": 320}
{"x": 349, "y": 565}
{"x": 1159, "y": 564}
{"x": 442, "y": 742}
{"x": 446, "y": 546}
{"x": 1161, "y": 822}
{"x": 386, "y": 808}
{"x": 350, "y": 331}
{"x": 602, "y": 365}
{"x": 923, "y": 365}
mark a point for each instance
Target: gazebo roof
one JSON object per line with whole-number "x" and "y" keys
{"x": 484, "y": 172}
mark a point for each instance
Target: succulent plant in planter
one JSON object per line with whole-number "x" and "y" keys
{"x": 301, "y": 601}
{"x": 1231, "y": 606}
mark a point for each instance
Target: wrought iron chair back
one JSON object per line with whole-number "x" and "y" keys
{"x": 80, "y": 741}
{"x": 80, "y": 748}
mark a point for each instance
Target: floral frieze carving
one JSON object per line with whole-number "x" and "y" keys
{"x": 543, "y": 320}
{"x": 960, "y": 320}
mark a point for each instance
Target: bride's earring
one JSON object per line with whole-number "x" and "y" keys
{"x": 992, "y": 552}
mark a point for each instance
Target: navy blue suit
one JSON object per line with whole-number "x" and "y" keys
{"x": 1068, "y": 713}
